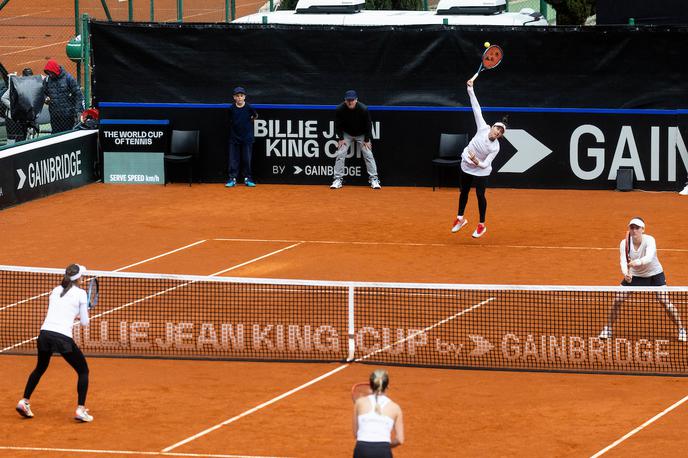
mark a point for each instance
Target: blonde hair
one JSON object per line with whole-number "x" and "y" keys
{"x": 379, "y": 380}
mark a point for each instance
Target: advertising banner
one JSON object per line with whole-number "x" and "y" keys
{"x": 47, "y": 166}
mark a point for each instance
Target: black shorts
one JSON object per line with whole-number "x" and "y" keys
{"x": 655, "y": 280}
{"x": 372, "y": 450}
{"x": 54, "y": 342}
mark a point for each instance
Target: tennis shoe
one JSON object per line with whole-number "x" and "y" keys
{"x": 250, "y": 183}
{"x": 231, "y": 183}
{"x": 83, "y": 415}
{"x": 606, "y": 333}
{"x": 682, "y": 335}
{"x": 24, "y": 409}
{"x": 458, "y": 224}
{"x": 375, "y": 183}
{"x": 479, "y": 231}
{"x": 685, "y": 191}
{"x": 336, "y": 184}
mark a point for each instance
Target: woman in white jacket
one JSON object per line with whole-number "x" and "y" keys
{"x": 67, "y": 301}
{"x": 476, "y": 164}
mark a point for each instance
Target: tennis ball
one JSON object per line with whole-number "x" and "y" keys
{"x": 487, "y": 44}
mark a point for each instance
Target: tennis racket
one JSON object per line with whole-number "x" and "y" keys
{"x": 360, "y": 390}
{"x": 491, "y": 58}
{"x": 628, "y": 247}
{"x": 92, "y": 293}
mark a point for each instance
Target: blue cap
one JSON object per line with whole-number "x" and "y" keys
{"x": 350, "y": 95}
{"x": 239, "y": 90}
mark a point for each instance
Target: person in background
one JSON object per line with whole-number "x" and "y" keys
{"x": 375, "y": 416}
{"x": 66, "y": 302}
{"x": 63, "y": 96}
{"x": 640, "y": 267}
{"x": 242, "y": 116}
{"x": 17, "y": 128}
{"x": 353, "y": 124}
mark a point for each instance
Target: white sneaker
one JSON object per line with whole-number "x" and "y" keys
{"x": 83, "y": 415}
{"x": 682, "y": 335}
{"x": 24, "y": 409}
{"x": 458, "y": 224}
{"x": 606, "y": 333}
{"x": 685, "y": 191}
{"x": 479, "y": 231}
{"x": 375, "y": 183}
{"x": 336, "y": 184}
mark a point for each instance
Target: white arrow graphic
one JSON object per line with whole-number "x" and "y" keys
{"x": 22, "y": 178}
{"x": 297, "y": 170}
{"x": 482, "y": 346}
{"x": 529, "y": 151}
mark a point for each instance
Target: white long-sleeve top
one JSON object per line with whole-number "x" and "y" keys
{"x": 646, "y": 253}
{"x": 484, "y": 149}
{"x": 63, "y": 310}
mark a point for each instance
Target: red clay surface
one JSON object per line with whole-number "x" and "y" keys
{"x": 397, "y": 234}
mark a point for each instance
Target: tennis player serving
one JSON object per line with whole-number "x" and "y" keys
{"x": 375, "y": 416}
{"x": 66, "y": 302}
{"x": 640, "y": 267}
{"x": 476, "y": 163}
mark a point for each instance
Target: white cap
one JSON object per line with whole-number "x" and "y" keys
{"x": 500, "y": 124}
{"x": 76, "y": 276}
{"x": 637, "y": 222}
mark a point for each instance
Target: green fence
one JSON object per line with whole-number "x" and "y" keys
{"x": 537, "y": 5}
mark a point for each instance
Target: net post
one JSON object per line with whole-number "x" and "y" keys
{"x": 152, "y": 10}
{"x": 86, "y": 59}
{"x": 131, "y": 10}
{"x": 352, "y": 342}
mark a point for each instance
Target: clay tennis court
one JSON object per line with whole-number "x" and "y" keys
{"x": 152, "y": 407}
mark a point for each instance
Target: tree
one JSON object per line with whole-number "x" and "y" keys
{"x": 573, "y": 12}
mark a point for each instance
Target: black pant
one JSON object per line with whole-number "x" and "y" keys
{"x": 372, "y": 450}
{"x": 480, "y": 183}
{"x": 53, "y": 342}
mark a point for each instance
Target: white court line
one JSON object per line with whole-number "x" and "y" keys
{"x": 159, "y": 293}
{"x": 640, "y": 428}
{"x": 533, "y": 247}
{"x": 321, "y": 377}
{"x": 39, "y": 13}
{"x": 255, "y": 409}
{"x": 116, "y": 270}
{"x": 255, "y": 259}
{"x": 36, "y": 47}
{"x": 129, "y": 452}
{"x": 160, "y": 255}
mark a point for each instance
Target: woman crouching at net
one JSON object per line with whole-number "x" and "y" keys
{"x": 65, "y": 303}
{"x": 640, "y": 267}
{"x": 375, "y": 416}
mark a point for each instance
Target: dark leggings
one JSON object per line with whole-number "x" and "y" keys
{"x": 75, "y": 358}
{"x": 480, "y": 183}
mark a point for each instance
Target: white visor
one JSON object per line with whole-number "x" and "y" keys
{"x": 637, "y": 222}
{"x": 76, "y": 276}
{"x": 500, "y": 124}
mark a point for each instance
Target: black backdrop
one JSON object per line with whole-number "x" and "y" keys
{"x": 631, "y": 70}
{"x": 544, "y": 67}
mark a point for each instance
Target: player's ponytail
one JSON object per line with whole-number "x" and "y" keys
{"x": 379, "y": 380}
{"x": 505, "y": 120}
{"x": 67, "y": 282}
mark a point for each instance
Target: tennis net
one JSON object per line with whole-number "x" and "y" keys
{"x": 544, "y": 328}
